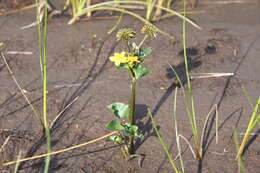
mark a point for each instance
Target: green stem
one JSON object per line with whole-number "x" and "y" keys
{"x": 131, "y": 117}
{"x": 190, "y": 105}
{"x": 253, "y": 121}
{"x": 47, "y": 130}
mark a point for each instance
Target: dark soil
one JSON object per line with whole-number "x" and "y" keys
{"x": 78, "y": 67}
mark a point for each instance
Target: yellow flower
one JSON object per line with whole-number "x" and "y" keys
{"x": 132, "y": 59}
{"x": 118, "y": 58}
{"x": 123, "y": 57}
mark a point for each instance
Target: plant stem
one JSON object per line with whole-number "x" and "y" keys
{"x": 131, "y": 117}
{"x": 253, "y": 121}
{"x": 44, "y": 83}
{"x": 142, "y": 42}
{"x": 190, "y": 104}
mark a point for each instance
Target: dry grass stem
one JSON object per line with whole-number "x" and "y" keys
{"x": 191, "y": 149}
{"x": 19, "y": 53}
{"x": 35, "y": 112}
{"x": 61, "y": 112}
{"x": 5, "y": 142}
{"x": 209, "y": 75}
{"x": 60, "y": 151}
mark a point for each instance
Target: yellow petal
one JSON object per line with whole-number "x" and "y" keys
{"x": 117, "y": 63}
{"x": 111, "y": 58}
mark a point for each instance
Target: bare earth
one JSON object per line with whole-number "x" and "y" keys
{"x": 78, "y": 67}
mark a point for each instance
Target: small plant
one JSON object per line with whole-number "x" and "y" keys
{"x": 131, "y": 60}
{"x": 199, "y": 139}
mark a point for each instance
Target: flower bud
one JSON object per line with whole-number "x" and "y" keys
{"x": 125, "y": 34}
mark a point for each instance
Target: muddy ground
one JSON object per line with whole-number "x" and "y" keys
{"x": 78, "y": 67}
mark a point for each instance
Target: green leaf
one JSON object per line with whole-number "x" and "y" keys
{"x": 122, "y": 66}
{"x": 140, "y": 71}
{"x": 144, "y": 52}
{"x": 115, "y": 125}
{"x": 130, "y": 129}
{"x": 120, "y": 110}
{"x": 116, "y": 139}
{"x": 141, "y": 136}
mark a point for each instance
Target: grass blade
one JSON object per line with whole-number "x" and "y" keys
{"x": 116, "y": 24}
{"x": 253, "y": 121}
{"x": 176, "y": 128}
{"x": 17, "y": 164}
{"x": 188, "y": 143}
{"x": 166, "y": 151}
{"x": 240, "y": 161}
{"x": 190, "y": 108}
{"x": 205, "y": 124}
{"x": 35, "y": 112}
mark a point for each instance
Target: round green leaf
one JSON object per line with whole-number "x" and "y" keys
{"x": 120, "y": 110}
{"x": 144, "y": 52}
{"x": 130, "y": 129}
{"x": 140, "y": 71}
{"x": 115, "y": 125}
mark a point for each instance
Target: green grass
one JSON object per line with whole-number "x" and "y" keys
{"x": 254, "y": 120}
{"x": 164, "y": 146}
{"x": 189, "y": 101}
{"x": 17, "y": 163}
{"x": 42, "y": 28}
{"x": 190, "y": 112}
{"x": 110, "y": 5}
{"x": 240, "y": 160}
{"x": 79, "y": 9}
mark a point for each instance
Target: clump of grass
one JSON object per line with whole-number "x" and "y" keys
{"x": 190, "y": 110}
{"x": 77, "y": 6}
{"x": 110, "y": 5}
{"x": 189, "y": 102}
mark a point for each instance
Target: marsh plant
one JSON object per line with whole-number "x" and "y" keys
{"x": 131, "y": 60}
